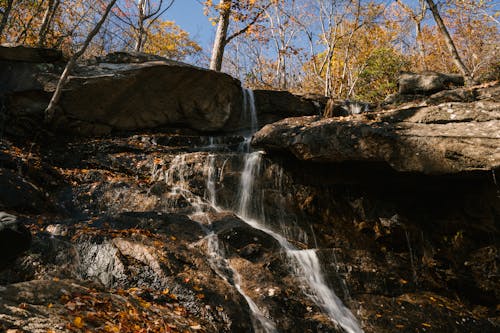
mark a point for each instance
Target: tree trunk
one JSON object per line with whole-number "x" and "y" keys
{"x": 51, "y": 108}
{"x": 328, "y": 77}
{"x": 139, "y": 43}
{"x": 420, "y": 43}
{"x": 5, "y": 16}
{"x": 281, "y": 70}
{"x": 221, "y": 35}
{"x": 449, "y": 42}
{"x": 47, "y": 21}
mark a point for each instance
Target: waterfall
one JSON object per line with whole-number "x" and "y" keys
{"x": 249, "y": 118}
{"x": 247, "y": 205}
{"x": 250, "y": 171}
{"x": 211, "y": 173}
{"x": 177, "y": 178}
{"x": 304, "y": 262}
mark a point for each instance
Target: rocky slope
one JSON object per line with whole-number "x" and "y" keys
{"x": 137, "y": 231}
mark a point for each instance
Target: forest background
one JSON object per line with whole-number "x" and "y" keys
{"x": 346, "y": 49}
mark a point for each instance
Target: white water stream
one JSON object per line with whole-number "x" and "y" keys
{"x": 304, "y": 263}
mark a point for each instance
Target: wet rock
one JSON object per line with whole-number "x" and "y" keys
{"x": 15, "y": 238}
{"x": 403, "y": 251}
{"x": 18, "y": 194}
{"x": 241, "y": 239}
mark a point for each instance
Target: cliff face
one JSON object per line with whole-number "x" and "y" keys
{"x": 379, "y": 222}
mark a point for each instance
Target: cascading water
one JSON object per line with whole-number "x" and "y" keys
{"x": 223, "y": 268}
{"x": 249, "y": 116}
{"x": 305, "y": 262}
{"x": 248, "y": 206}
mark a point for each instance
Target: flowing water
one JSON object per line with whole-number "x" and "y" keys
{"x": 305, "y": 262}
{"x": 249, "y": 207}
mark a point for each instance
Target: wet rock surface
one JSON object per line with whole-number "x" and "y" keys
{"x": 124, "y": 232}
{"x": 15, "y": 238}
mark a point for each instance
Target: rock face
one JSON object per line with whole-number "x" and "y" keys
{"x": 14, "y": 238}
{"x": 448, "y": 137}
{"x": 275, "y": 105}
{"x": 28, "y": 54}
{"x": 132, "y": 91}
{"x": 171, "y": 230}
{"x": 427, "y": 82}
{"x": 132, "y": 231}
{"x": 109, "y": 96}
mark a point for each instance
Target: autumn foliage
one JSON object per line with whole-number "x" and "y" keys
{"x": 351, "y": 49}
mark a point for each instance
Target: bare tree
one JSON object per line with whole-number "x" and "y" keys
{"x": 5, "y": 16}
{"x": 47, "y": 20}
{"x": 51, "y": 108}
{"x": 148, "y": 12}
{"x": 417, "y": 16}
{"x": 221, "y": 35}
{"x": 221, "y": 38}
{"x": 282, "y": 18}
{"x": 449, "y": 42}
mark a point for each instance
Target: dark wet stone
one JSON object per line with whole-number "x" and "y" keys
{"x": 15, "y": 238}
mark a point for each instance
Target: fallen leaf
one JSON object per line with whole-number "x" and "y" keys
{"x": 78, "y": 322}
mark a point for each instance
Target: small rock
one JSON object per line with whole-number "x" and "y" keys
{"x": 57, "y": 230}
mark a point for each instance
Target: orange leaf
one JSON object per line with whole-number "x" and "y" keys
{"x": 78, "y": 322}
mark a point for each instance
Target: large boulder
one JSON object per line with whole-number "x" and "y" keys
{"x": 436, "y": 139}
{"x": 105, "y": 96}
{"x": 29, "y": 54}
{"x": 275, "y": 105}
{"x": 15, "y": 238}
{"x": 128, "y": 91}
{"x": 427, "y": 82}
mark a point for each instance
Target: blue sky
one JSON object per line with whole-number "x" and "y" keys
{"x": 188, "y": 14}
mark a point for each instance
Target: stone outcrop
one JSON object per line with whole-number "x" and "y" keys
{"x": 15, "y": 238}
{"x": 106, "y": 96}
{"x": 427, "y": 82}
{"x": 145, "y": 231}
{"x": 133, "y": 91}
{"x": 124, "y": 228}
{"x": 448, "y": 137}
{"x": 275, "y": 105}
{"x": 27, "y": 54}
